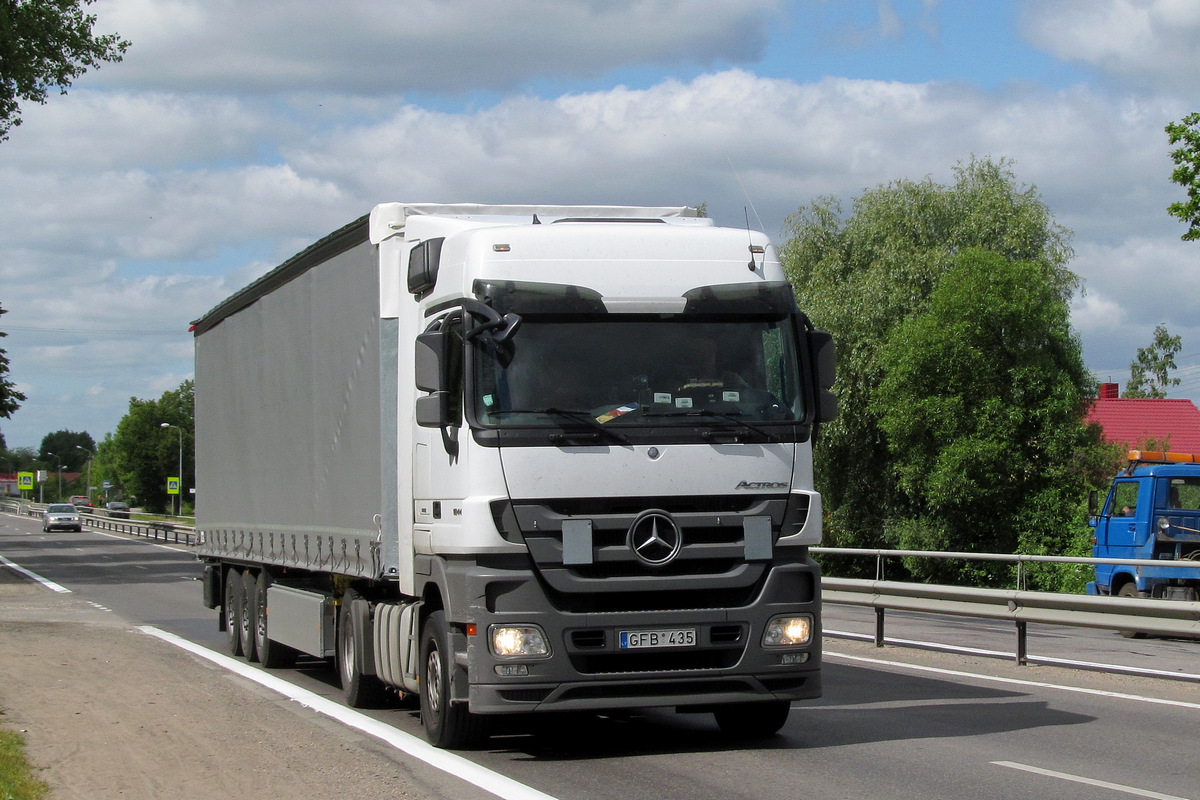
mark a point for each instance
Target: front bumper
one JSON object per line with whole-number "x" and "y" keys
{"x": 587, "y": 670}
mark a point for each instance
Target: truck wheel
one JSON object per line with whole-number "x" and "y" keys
{"x": 752, "y": 720}
{"x": 273, "y": 655}
{"x": 1130, "y": 590}
{"x": 233, "y": 611}
{"x": 447, "y": 724}
{"x": 362, "y": 691}
{"x": 249, "y": 615}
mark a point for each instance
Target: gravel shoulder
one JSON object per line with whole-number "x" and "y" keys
{"x": 111, "y": 712}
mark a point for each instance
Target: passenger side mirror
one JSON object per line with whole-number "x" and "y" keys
{"x": 423, "y": 262}
{"x": 437, "y": 369}
{"x": 427, "y": 367}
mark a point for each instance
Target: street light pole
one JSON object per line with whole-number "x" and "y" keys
{"x": 87, "y": 489}
{"x": 179, "y": 475}
{"x": 59, "y": 459}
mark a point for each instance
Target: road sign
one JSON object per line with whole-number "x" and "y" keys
{"x": 25, "y": 481}
{"x": 172, "y": 485}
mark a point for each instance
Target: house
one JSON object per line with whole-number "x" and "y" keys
{"x": 1141, "y": 422}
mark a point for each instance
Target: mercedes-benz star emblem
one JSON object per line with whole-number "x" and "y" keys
{"x": 654, "y": 538}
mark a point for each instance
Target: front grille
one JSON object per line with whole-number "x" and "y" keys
{"x": 725, "y": 634}
{"x": 717, "y": 565}
{"x": 595, "y": 651}
{"x": 589, "y": 639}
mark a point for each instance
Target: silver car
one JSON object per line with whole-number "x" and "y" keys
{"x": 63, "y": 516}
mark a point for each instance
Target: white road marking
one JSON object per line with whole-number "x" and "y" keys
{"x": 493, "y": 782}
{"x": 49, "y": 584}
{"x": 1066, "y": 776}
{"x": 172, "y": 548}
{"x": 1012, "y": 681}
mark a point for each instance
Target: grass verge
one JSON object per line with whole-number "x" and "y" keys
{"x": 17, "y": 781}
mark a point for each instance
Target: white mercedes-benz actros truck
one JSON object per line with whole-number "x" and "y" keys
{"x": 515, "y": 459}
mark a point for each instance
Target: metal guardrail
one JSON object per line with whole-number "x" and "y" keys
{"x": 158, "y": 530}
{"x": 880, "y": 556}
{"x": 164, "y": 531}
{"x": 1163, "y": 617}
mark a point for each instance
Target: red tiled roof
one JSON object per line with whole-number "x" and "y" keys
{"x": 1133, "y": 422}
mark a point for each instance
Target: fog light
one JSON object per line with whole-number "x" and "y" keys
{"x": 788, "y": 631}
{"x": 513, "y": 670}
{"x": 793, "y": 658}
{"x": 519, "y": 640}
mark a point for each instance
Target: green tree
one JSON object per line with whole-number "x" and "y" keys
{"x": 861, "y": 276}
{"x": 10, "y": 398}
{"x": 66, "y": 445}
{"x": 1150, "y": 374}
{"x": 1187, "y": 172}
{"x": 104, "y": 468}
{"x": 981, "y": 402}
{"x": 45, "y": 44}
{"x": 142, "y": 454}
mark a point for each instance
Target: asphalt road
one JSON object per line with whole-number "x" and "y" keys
{"x": 894, "y": 722}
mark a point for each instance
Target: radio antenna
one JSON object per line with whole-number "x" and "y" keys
{"x": 748, "y": 200}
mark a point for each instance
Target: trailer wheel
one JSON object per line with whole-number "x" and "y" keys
{"x": 361, "y": 690}
{"x": 1130, "y": 590}
{"x": 752, "y": 720}
{"x": 273, "y": 655}
{"x": 446, "y": 724}
{"x": 249, "y": 615}
{"x": 233, "y": 611}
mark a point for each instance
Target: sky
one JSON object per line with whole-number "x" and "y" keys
{"x": 235, "y": 133}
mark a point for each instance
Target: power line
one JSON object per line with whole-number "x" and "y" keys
{"x": 103, "y": 331}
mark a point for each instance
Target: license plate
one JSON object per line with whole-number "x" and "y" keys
{"x": 678, "y": 637}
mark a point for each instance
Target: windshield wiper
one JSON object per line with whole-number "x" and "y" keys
{"x": 708, "y": 412}
{"x": 574, "y": 414}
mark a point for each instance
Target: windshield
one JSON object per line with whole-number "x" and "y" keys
{"x": 632, "y": 371}
{"x": 60, "y": 509}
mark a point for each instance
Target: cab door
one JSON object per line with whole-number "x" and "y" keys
{"x": 1118, "y": 525}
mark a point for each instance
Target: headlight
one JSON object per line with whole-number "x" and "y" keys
{"x": 788, "y": 631}
{"x": 518, "y": 640}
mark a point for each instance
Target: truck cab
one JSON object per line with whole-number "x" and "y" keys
{"x": 1152, "y": 512}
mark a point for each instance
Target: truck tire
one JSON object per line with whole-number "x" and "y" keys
{"x": 233, "y": 611}
{"x": 273, "y": 655}
{"x": 448, "y": 725}
{"x": 361, "y": 690}
{"x": 752, "y": 720}
{"x": 249, "y": 614}
{"x": 1130, "y": 590}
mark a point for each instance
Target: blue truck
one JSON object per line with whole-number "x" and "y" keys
{"x": 1152, "y": 512}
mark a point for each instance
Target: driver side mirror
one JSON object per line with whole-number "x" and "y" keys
{"x": 824, "y": 361}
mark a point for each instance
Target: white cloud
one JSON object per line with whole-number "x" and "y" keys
{"x": 1153, "y": 42}
{"x": 130, "y": 212}
{"x": 450, "y": 46}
